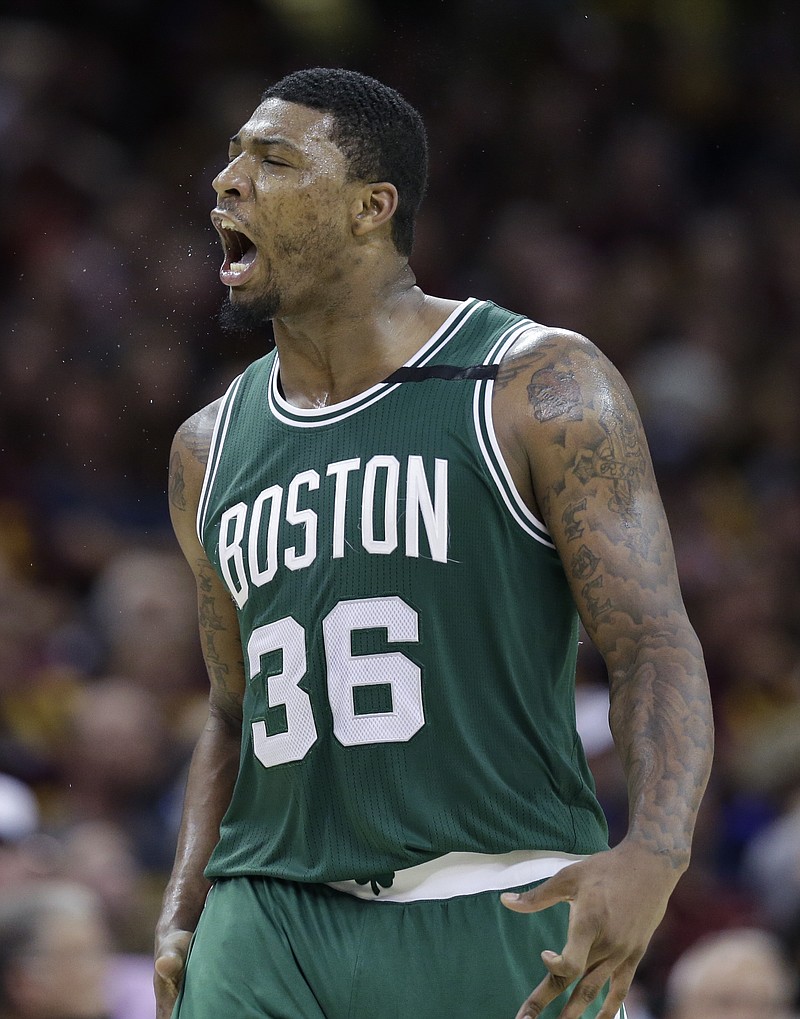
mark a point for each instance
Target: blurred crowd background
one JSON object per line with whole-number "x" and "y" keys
{"x": 625, "y": 168}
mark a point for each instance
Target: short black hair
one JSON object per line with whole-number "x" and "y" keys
{"x": 379, "y": 132}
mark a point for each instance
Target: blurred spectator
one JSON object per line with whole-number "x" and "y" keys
{"x": 739, "y": 974}
{"x": 19, "y": 812}
{"x": 101, "y": 856}
{"x": 144, "y": 602}
{"x": 21, "y": 856}
{"x": 772, "y": 866}
{"x": 118, "y": 765}
{"x": 626, "y": 169}
{"x": 56, "y": 958}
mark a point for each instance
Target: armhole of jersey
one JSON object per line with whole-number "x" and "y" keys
{"x": 490, "y": 447}
{"x": 214, "y": 453}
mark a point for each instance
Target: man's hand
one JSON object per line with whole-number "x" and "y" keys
{"x": 170, "y": 962}
{"x": 616, "y": 901}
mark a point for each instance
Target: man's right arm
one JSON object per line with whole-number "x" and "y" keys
{"x": 216, "y": 757}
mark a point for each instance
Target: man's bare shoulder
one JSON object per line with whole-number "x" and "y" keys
{"x": 554, "y": 356}
{"x": 553, "y": 377}
{"x": 189, "y": 457}
{"x": 195, "y": 434}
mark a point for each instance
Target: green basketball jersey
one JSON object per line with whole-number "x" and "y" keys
{"x": 408, "y": 631}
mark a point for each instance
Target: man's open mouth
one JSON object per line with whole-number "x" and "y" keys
{"x": 239, "y": 251}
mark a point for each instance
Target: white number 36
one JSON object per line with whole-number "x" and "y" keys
{"x": 345, "y": 673}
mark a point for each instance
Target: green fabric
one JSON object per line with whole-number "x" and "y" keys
{"x": 271, "y": 949}
{"x": 411, "y": 627}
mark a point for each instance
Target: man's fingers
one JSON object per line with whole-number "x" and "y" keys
{"x": 574, "y": 958}
{"x": 620, "y": 985}
{"x": 169, "y": 966}
{"x": 555, "y": 889}
{"x": 535, "y": 1003}
{"x": 558, "y": 979}
{"x": 165, "y": 1003}
{"x": 561, "y": 974}
{"x": 171, "y": 952}
{"x": 562, "y": 970}
{"x": 587, "y": 990}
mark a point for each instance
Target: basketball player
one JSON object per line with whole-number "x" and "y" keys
{"x": 395, "y": 520}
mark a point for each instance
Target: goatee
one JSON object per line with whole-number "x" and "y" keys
{"x": 248, "y": 318}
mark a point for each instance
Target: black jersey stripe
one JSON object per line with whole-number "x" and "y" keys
{"x": 449, "y": 372}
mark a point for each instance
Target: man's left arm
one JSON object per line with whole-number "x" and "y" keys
{"x": 566, "y": 415}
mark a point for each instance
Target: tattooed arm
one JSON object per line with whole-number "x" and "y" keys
{"x": 215, "y": 760}
{"x": 576, "y": 448}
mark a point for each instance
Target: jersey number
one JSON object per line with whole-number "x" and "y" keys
{"x": 346, "y": 672}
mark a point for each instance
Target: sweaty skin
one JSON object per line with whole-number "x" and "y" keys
{"x": 577, "y": 451}
{"x": 346, "y": 314}
{"x": 216, "y": 757}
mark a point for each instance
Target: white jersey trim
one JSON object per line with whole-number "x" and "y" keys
{"x": 312, "y": 417}
{"x": 214, "y": 453}
{"x": 487, "y": 441}
{"x": 463, "y": 874}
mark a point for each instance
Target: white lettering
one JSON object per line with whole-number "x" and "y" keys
{"x": 388, "y": 543}
{"x": 259, "y": 575}
{"x": 341, "y": 470}
{"x": 265, "y": 525}
{"x": 306, "y": 518}
{"x": 230, "y": 552}
{"x": 432, "y": 510}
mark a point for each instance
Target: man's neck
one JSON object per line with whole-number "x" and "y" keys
{"x": 330, "y": 357}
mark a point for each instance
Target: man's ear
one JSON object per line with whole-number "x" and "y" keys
{"x": 373, "y": 207}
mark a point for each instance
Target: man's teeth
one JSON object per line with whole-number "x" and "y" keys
{"x": 238, "y": 266}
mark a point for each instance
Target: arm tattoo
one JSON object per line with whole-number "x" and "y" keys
{"x": 199, "y": 445}
{"x": 662, "y": 723}
{"x": 212, "y": 626}
{"x": 584, "y": 563}
{"x": 574, "y": 528}
{"x": 598, "y": 492}
{"x": 525, "y": 362}
{"x": 196, "y": 438}
{"x": 555, "y": 394}
{"x": 591, "y": 596}
{"x": 534, "y": 347}
{"x": 177, "y": 484}
{"x": 616, "y": 456}
{"x": 209, "y": 618}
{"x": 509, "y": 370}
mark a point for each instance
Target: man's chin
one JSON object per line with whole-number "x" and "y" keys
{"x": 248, "y": 317}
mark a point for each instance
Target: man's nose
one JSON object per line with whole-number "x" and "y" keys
{"x": 233, "y": 181}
